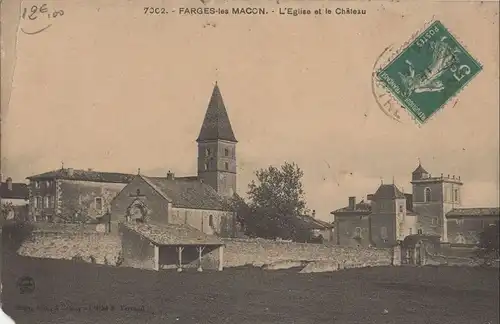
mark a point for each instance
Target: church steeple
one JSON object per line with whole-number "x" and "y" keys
{"x": 217, "y": 148}
{"x": 216, "y": 125}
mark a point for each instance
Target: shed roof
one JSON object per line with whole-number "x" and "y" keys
{"x": 173, "y": 234}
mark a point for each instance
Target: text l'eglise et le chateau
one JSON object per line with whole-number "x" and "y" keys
{"x": 265, "y": 11}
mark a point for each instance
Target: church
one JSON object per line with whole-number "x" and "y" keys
{"x": 198, "y": 201}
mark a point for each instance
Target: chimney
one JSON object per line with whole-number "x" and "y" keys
{"x": 9, "y": 183}
{"x": 70, "y": 171}
{"x": 90, "y": 169}
{"x": 314, "y": 213}
{"x": 352, "y": 203}
{"x": 369, "y": 197}
{"x": 170, "y": 175}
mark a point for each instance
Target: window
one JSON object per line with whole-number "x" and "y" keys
{"x": 357, "y": 232}
{"x": 38, "y": 202}
{"x": 411, "y": 231}
{"x": 46, "y": 202}
{"x": 226, "y": 152}
{"x": 206, "y": 166}
{"x": 98, "y": 203}
{"x": 208, "y": 151}
{"x": 460, "y": 221}
{"x": 456, "y": 196}
{"x": 400, "y": 208}
{"x": 48, "y": 183}
{"x": 428, "y": 196}
{"x": 211, "y": 221}
{"x": 433, "y": 221}
{"x": 37, "y": 184}
{"x": 383, "y": 232}
{"x": 52, "y": 201}
{"x": 380, "y": 206}
{"x": 226, "y": 165}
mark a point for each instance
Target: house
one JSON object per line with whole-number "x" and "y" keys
{"x": 382, "y": 221}
{"x": 314, "y": 230}
{"x": 169, "y": 200}
{"x": 433, "y": 208}
{"x": 14, "y": 197}
{"x": 465, "y": 224}
{"x": 352, "y": 224}
{"x": 73, "y": 195}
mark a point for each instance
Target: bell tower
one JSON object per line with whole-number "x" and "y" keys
{"x": 217, "y": 148}
{"x": 433, "y": 197}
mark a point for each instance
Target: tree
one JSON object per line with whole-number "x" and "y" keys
{"x": 79, "y": 215}
{"x": 6, "y": 211}
{"x": 489, "y": 243}
{"x": 275, "y": 199}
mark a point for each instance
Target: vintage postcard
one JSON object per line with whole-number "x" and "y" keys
{"x": 252, "y": 162}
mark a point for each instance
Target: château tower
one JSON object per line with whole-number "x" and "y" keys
{"x": 433, "y": 198}
{"x": 217, "y": 148}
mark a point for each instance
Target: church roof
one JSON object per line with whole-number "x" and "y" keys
{"x": 388, "y": 191}
{"x": 216, "y": 125}
{"x": 182, "y": 193}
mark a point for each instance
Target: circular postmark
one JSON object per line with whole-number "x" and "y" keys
{"x": 26, "y": 285}
{"x": 389, "y": 106}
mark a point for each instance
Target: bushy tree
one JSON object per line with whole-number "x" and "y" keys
{"x": 275, "y": 199}
{"x": 489, "y": 243}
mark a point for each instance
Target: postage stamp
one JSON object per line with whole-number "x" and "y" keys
{"x": 429, "y": 72}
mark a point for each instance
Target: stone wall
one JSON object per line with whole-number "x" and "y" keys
{"x": 258, "y": 252}
{"x": 100, "y": 248}
{"x": 138, "y": 252}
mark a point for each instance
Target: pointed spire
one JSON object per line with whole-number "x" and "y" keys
{"x": 138, "y": 171}
{"x": 216, "y": 125}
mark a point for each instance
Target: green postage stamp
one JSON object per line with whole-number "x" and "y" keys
{"x": 430, "y": 71}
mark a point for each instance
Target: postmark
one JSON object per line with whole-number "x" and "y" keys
{"x": 26, "y": 285}
{"x": 428, "y": 73}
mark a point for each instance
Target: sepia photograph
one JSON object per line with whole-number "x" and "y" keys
{"x": 252, "y": 162}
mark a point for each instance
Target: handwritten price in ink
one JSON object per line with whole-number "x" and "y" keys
{"x": 40, "y": 13}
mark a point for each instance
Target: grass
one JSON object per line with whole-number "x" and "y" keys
{"x": 249, "y": 295}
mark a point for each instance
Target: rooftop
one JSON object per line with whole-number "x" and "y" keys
{"x": 84, "y": 175}
{"x": 308, "y": 222}
{"x": 474, "y": 212}
{"x": 388, "y": 191}
{"x": 18, "y": 191}
{"x": 187, "y": 193}
{"x": 362, "y": 207}
{"x": 216, "y": 124}
{"x": 173, "y": 234}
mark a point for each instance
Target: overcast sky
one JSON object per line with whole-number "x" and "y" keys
{"x": 109, "y": 88}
